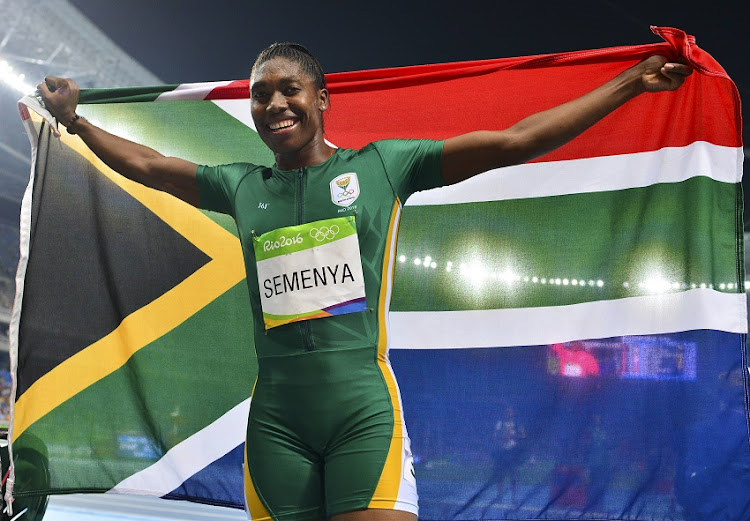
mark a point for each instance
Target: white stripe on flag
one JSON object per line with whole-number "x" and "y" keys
{"x": 239, "y": 109}
{"x": 594, "y": 174}
{"x": 189, "y": 457}
{"x": 191, "y": 91}
{"x": 646, "y": 315}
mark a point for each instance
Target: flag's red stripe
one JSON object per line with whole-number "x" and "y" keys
{"x": 443, "y": 100}
{"x": 238, "y": 89}
{"x": 449, "y": 99}
{"x": 705, "y": 108}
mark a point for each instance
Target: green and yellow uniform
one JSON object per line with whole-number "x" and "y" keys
{"x": 326, "y": 433}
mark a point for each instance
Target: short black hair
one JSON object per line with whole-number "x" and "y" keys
{"x": 296, "y": 53}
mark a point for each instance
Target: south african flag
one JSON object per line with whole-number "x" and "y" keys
{"x": 569, "y": 335}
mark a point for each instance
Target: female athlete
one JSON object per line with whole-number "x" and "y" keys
{"x": 326, "y": 436}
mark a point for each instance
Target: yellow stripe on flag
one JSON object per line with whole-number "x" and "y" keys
{"x": 150, "y": 322}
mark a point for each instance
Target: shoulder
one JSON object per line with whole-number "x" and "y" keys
{"x": 232, "y": 168}
{"x": 227, "y": 178}
{"x": 230, "y": 172}
{"x": 391, "y": 145}
{"x": 411, "y": 147}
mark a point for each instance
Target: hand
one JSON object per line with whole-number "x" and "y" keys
{"x": 60, "y": 96}
{"x": 658, "y": 74}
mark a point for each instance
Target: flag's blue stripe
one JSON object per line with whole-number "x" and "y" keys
{"x": 221, "y": 481}
{"x": 660, "y": 431}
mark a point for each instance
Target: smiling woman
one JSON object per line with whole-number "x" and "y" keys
{"x": 326, "y": 436}
{"x": 289, "y": 95}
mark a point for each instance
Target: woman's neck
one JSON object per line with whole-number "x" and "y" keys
{"x": 312, "y": 154}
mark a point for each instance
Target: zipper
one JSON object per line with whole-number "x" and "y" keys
{"x": 305, "y": 328}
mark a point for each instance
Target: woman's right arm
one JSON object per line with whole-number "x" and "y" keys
{"x": 137, "y": 162}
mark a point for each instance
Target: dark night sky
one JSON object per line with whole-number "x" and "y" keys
{"x": 184, "y": 40}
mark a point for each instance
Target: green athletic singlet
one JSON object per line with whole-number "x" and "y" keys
{"x": 325, "y": 432}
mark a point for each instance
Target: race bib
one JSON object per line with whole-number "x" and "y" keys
{"x": 309, "y": 271}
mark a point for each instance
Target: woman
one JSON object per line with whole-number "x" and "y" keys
{"x": 326, "y": 436}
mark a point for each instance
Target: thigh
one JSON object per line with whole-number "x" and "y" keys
{"x": 370, "y": 465}
{"x": 283, "y": 479}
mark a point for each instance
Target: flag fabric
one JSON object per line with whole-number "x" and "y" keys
{"x": 568, "y": 335}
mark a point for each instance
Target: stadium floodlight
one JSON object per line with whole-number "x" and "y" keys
{"x": 13, "y": 79}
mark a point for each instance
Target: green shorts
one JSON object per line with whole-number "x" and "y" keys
{"x": 326, "y": 436}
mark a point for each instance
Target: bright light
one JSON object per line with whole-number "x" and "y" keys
{"x": 449, "y": 266}
{"x": 14, "y": 79}
{"x": 508, "y": 276}
{"x": 476, "y": 272}
{"x": 433, "y": 265}
{"x": 402, "y": 258}
{"x": 534, "y": 279}
{"x": 565, "y": 282}
{"x": 656, "y": 284}
{"x": 599, "y": 283}
{"x": 427, "y": 260}
{"x": 417, "y": 262}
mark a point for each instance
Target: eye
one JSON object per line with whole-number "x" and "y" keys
{"x": 291, "y": 91}
{"x": 260, "y": 96}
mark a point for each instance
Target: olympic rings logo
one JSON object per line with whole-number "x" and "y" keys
{"x": 324, "y": 232}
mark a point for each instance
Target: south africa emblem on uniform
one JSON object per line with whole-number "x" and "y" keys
{"x": 345, "y": 189}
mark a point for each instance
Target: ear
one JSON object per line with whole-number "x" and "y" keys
{"x": 323, "y": 99}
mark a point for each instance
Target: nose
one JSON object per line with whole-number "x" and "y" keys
{"x": 277, "y": 102}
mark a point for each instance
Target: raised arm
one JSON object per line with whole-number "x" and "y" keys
{"x": 470, "y": 154}
{"x": 137, "y": 162}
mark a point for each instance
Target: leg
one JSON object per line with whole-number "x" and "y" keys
{"x": 283, "y": 479}
{"x": 360, "y": 478}
{"x": 369, "y": 466}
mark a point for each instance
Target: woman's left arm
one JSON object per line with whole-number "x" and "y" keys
{"x": 469, "y": 154}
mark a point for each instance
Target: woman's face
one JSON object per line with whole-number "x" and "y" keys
{"x": 287, "y": 107}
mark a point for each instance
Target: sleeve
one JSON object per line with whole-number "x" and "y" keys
{"x": 218, "y": 184}
{"x": 412, "y": 164}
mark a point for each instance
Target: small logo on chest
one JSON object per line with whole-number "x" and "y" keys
{"x": 263, "y": 206}
{"x": 345, "y": 189}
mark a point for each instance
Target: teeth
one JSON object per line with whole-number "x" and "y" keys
{"x": 281, "y": 124}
